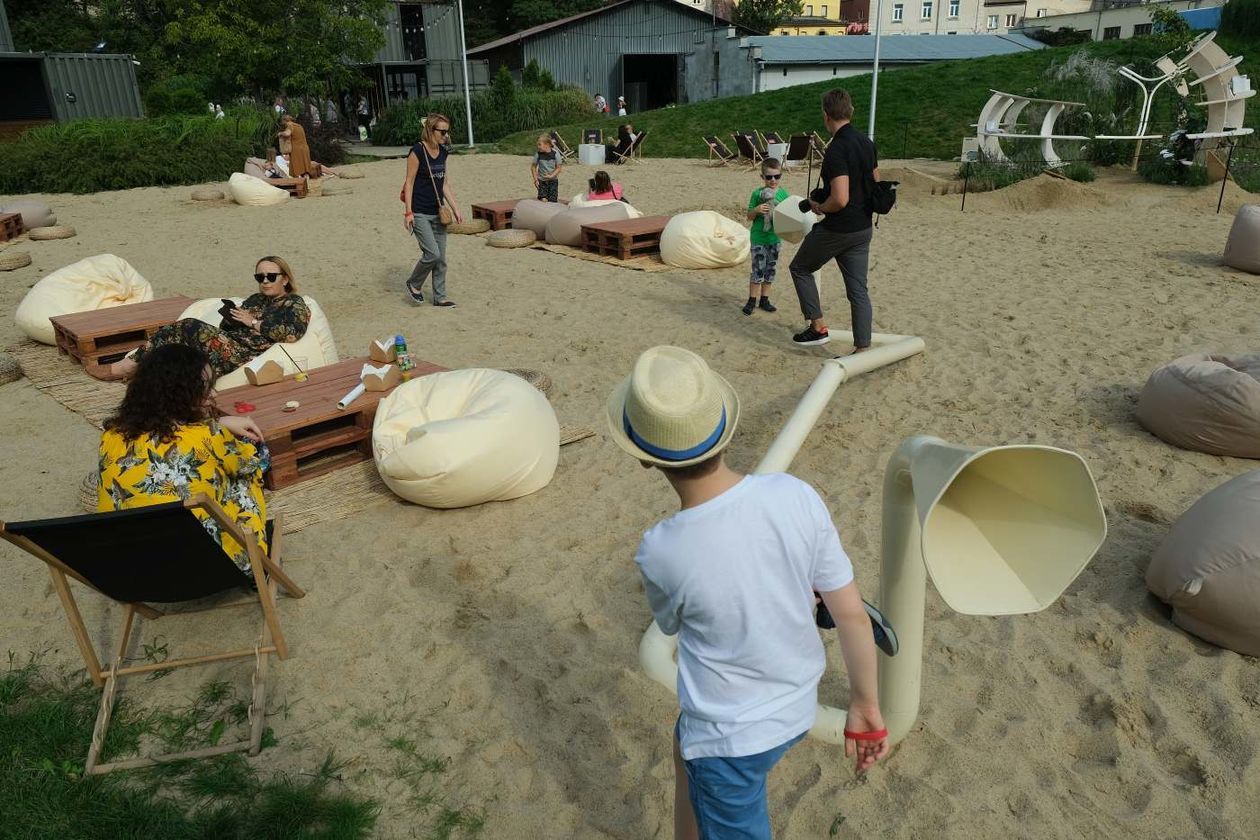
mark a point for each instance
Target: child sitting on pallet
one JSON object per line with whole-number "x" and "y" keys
{"x": 546, "y": 170}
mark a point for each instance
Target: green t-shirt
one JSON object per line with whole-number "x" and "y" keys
{"x": 758, "y": 233}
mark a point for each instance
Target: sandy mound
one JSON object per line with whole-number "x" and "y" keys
{"x": 1046, "y": 192}
{"x": 1200, "y": 198}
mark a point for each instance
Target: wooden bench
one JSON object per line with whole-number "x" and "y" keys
{"x": 10, "y": 226}
{"x": 95, "y": 339}
{"x": 626, "y": 238}
{"x": 499, "y": 213}
{"x": 296, "y": 187}
{"x": 318, "y": 437}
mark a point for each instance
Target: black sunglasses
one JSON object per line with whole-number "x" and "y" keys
{"x": 442, "y": 130}
{"x": 269, "y": 277}
{"x": 773, "y": 177}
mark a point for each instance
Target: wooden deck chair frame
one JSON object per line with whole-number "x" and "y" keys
{"x": 747, "y": 146}
{"x": 267, "y": 572}
{"x": 562, "y": 147}
{"x": 800, "y": 149}
{"x": 762, "y": 144}
{"x": 718, "y": 151}
{"x": 632, "y": 154}
{"x": 817, "y": 146}
{"x": 772, "y": 137}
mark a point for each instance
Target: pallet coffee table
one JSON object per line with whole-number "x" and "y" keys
{"x": 318, "y": 437}
{"x": 97, "y": 338}
{"x": 10, "y": 226}
{"x": 625, "y": 238}
{"x": 296, "y": 187}
{"x": 499, "y": 213}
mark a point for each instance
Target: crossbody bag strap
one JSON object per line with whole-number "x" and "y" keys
{"x": 429, "y": 166}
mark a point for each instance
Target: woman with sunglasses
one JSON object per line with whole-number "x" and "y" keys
{"x": 424, "y": 192}
{"x": 273, "y": 314}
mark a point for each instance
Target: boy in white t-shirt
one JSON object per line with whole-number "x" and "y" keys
{"x": 733, "y": 573}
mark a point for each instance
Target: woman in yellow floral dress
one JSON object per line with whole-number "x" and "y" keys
{"x": 166, "y": 444}
{"x": 275, "y": 314}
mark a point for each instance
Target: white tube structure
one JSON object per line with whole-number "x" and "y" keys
{"x": 463, "y": 51}
{"x": 656, "y": 650}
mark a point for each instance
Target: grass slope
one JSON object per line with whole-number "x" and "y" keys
{"x": 923, "y": 111}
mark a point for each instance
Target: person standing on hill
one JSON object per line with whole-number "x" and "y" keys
{"x": 849, "y": 167}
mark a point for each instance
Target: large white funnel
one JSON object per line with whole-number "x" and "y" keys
{"x": 789, "y": 222}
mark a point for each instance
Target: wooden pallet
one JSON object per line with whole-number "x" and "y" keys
{"x": 499, "y": 213}
{"x": 296, "y": 187}
{"x": 97, "y": 338}
{"x": 318, "y": 437}
{"x": 10, "y": 226}
{"x": 626, "y": 238}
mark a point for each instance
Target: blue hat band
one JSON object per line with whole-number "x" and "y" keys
{"x": 675, "y": 454}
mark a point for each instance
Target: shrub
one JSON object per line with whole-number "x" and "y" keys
{"x": 1241, "y": 18}
{"x": 177, "y": 95}
{"x": 1079, "y": 170}
{"x": 1175, "y": 163}
{"x": 503, "y": 88}
{"x": 115, "y": 154}
{"x": 534, "y": 76}
{"x": 1061, "y": 37}
{"x": 988, "y": 174}
{"x": 399, "y": 125}
{"x": 324, "y": 140}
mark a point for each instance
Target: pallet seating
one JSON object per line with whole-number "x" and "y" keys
{"x": 97, "y": 338}
{"x": 625, "y": 238}
{"x": 296, "y": 187}
{"x": 10, "y": 226}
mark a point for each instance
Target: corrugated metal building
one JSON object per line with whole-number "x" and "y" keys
{"x": 421, "y": 55}
{"x": 653, "y": 52}
{"x": 6, "y": 37}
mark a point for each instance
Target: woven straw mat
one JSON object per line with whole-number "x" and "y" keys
{"x": 472, "y": 226}
{"x": 512, "y": 238}
{"x": 14, "y": 259}
{"x": 53, "y": 232}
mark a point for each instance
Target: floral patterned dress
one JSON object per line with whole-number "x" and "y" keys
{"x": 200, "y": 458}
{"x": 282, "y": 319}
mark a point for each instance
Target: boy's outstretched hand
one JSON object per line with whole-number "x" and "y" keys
{"x": 864, "y": 719}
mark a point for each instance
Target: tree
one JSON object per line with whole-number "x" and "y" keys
{"x": 1173, "y": 29}
{"x": 765, "y": 15}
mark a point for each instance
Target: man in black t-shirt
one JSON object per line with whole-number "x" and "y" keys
{"x": 844, "y": 233}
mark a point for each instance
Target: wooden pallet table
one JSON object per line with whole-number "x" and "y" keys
{"x": 97, "y": 338}
{"x": 318, "y": 437}
{"x": 625, "y": 238}
{"x": 499, "y": 213}
{"x": 296, "y": 187}
{"x": 10, "y": 226}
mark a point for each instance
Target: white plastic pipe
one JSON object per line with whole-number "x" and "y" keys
{"x": 463, "y": 49}
{"x": 657, "y": 650}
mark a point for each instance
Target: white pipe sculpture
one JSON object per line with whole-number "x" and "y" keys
{"x": 999, "y": 119}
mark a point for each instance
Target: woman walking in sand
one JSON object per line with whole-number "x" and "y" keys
{"x": 430, "y": 207}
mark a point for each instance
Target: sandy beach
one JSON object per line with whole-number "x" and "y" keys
{"x": 504, "y": 637}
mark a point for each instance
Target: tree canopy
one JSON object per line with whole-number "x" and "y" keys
{"x": 765, "y": 15}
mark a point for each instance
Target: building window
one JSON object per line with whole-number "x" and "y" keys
{"x": 991, "y": 23}
{"x": 926, "y": 13}
{"x": 1111, "y": 33}
{"x": 1042, "y": 12}
{"x": 809, "y": 11}
{"x": 899, "y": 11}
{"x": 951, "y": 33}
{"x": 953, "y": 8}
{"x": 1141, "y": 29}
{"x": 822, "y": 31}
{"x": 1011, "y": 20}
{"x": 824, "y": 11}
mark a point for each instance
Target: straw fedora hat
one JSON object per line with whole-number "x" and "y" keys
{"x": 672, "y": 410}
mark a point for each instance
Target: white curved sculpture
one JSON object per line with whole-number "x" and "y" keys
{"x": 999, "y": 118}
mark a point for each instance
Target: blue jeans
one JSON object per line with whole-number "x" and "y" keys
{"x": 728, "y": 795}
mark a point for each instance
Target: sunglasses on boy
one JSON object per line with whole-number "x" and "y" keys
{"x": 776, "y": 176}
{"x": 269, "y": 277}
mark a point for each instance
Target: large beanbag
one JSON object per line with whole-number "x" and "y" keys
{"x": 1208, "y": 567}
{"x": 254, "y": 166}
{"x": 34, "y": 213}
{"x": 464, "y": 437}
{"x": 704, "y": 239}
{"x": 566, "y": 228}
{"x": 246, "y": 189}
{"x": 1242, "y": 249}
{"x": 99, "y": 282}
{"x": 316, "y": 345}
{"x": 530, "y": 214}
{"x": 1206, "y": 403}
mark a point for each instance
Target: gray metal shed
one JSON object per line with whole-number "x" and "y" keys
{"x": 6, "y": 36}
{"x": 41, "y": 87}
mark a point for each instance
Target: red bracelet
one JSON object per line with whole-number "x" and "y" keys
{"x": 875, "y": 735}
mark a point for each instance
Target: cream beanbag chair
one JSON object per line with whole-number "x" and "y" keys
{"x": 534, "y": 215}
{"x": 1208, "y": 567}
{"x": 580, "y": 200}
{"x": 248, "y": 190}
{"x": 704, "y": 239}
{"x": 99, "y": 282}
{"x": 34, "y": 213}
{"x": 1242, "y": 249}
{"x": 566, "y": 228}
{"x": 1207, "y": 403}
{"x": 316, "y": 346}
{"x": 254, "y": 166}
{"x": 464, "y": 437}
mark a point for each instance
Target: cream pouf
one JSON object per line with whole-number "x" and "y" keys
{"x": 34, "y": 213}
{"x": 464, "y": 437}
{"x": 512, "y": 238}
{"x": 1242, "y": 249}
{"x": 1207, "y": 403}
{"x": 1208, "y": 567}
{"x": 566, "y": 228}
{"x": 251, "y": 191}
{"x": 704, "y": 239}
{"x": 316, "y": 345}
{"x": 530, "y": 214}
{"x": 99, "y": 282}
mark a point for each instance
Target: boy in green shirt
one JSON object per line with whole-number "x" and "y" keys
{"x": 765, "y": 242}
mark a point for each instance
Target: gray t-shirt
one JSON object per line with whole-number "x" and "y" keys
{"x": 546, "y": 162}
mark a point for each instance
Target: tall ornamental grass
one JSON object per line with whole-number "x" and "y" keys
{"x": 494, "y": 114}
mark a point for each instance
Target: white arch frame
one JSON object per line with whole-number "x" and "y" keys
{"x": 999, "y": 118}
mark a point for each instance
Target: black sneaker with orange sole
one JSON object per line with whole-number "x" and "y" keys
{"x": 810, "y": 337}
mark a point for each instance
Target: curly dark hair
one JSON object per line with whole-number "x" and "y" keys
{"x": 168, "y": 390}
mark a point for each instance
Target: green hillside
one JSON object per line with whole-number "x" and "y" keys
{"x": 923, "y": 111}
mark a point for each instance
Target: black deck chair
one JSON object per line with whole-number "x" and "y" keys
{"x": 158, "y": 554}
{"x": 593, "y": 136}
{"x": 798, "y": 149}
{"x": 748, "y": 149}
{"x": 718, "y": 150}
{"x": 759, "y": 142}
{"x": 557, "y": 142}
{"x": 631, "y": 150}
{"x": 772, "y": 137}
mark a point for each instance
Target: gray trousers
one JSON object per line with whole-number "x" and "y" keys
{"x": 852, "y": 252}
{"x": 432, "y": 238}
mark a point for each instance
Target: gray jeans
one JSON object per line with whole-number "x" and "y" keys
{"x": 432, "y": 238}
{"x": 852, "y": 252}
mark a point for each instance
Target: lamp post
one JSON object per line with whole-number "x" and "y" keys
{"x": 463, "y": 48}
{"x": 879, "y": 18}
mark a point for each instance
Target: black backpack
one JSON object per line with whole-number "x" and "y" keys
{"x": 881, "y": 196}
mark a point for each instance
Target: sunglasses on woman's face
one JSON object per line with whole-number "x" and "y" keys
{"x": 269, "y": 277}
{"x": 442, "y": 130}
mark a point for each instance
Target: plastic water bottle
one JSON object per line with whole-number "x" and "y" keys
{"x": 406, "y": 363}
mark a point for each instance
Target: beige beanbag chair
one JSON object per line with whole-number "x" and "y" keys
{"x": 1242, "y": 249}
{"x": 254, "y": 166}
{"x": 1206, "y": 403}
{"x": 580, "y": 200}
{"x": 99, "y": 282}
{"x": 465, "y": 437}
{"x": 316, "y": 346}
{"x": 1208, "y": 567}
{"x": 704, "y": 239}
{"x": 34, "y": 213}
{"x": 530, "y": 214}
{"x": 566, "y": 228}
{"x": 248, "y": 190}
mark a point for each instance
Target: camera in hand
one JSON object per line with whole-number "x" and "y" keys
{"x": 818, "y": 195}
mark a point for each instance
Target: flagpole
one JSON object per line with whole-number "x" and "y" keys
{"x": 463, "y": 46}
{"x": 879, "y": 17}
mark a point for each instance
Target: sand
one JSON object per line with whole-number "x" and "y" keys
{"x": 504, "y": 637}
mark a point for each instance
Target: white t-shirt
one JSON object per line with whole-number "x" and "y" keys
{"x": 734, "y": 578}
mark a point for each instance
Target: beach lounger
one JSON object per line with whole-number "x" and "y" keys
{"x": 633, "y": 151}
{"x": 748, "y": 150}
{"x": 718, "y": 151}
{"x": 160, "y": 554}
{"x": 759, "y": 142}
{"x": 772, "y": 137}
{"x": 560, "y": 146}
{"x": 799, "y": 149}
